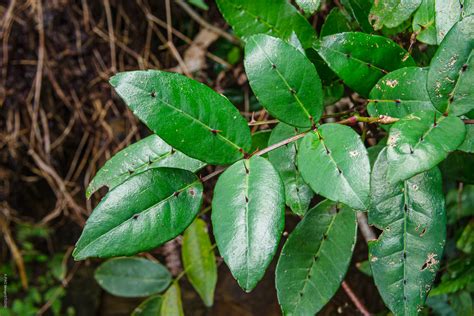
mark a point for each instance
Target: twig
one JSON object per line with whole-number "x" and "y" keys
{"x": 360, "y": 306}
{"x": 16, "y": 254}
{"x": 110, "y": 27}
{"x": 364, "y": 227}
{"x": 204, "y": 23}
{"x": 280, "y": 144}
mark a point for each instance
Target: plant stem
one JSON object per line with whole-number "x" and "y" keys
{"x": 360, "y": 306}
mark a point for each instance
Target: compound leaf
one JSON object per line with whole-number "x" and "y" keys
{"x": 334, "y": 162}
{"x": 132, "y": 277}
{"x": 420, "y": 141}
{"x": 171, "y": 304}
{"x": 141, "y": 214}
{"x": 199, "y": 260}
{"x": 353, "y": 56}
{"x": 400, "y": 93}
{"x": 248, "y": 218}
{"x": 451, "y": 73}
{"x": 273, "y": 17}
{"x": 406, "y": 256}
{"x": 392, "y": 13}
{"x": 150, "y": 152}
{"x": 284, "y": 80}
{"x": 186, "y": 114}
{"x": 315, "y": 258}
{"x": 298, "y": 193}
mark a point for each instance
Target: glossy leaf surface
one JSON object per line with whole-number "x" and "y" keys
{"x": 400, "y": 93}
{"x": 451, "y": 69}
{"x": 141, "y": 214}
{"x": 336, "y": 22}
{"x": 392, "y": 13}
{"x": 132, "y": 277}
{"x": 360, "y": 9}
{"x": 420, "y": 141}
{"x": 186, "y": 114}
{"x": 150, "y": 307}
{"x": 172, "y": 304}
{"x": 298, "y": 194}
{"x": 463, "y": 95}
{"x": 150, "y": 152}
{"x": 468, "y": 143}
{"x": 308, "y": 6}
{"x": 424, "y": 22}
{"x": 406, "y": 256}
{"x": 199, "y": 260}
{"x": 315, "y": 258}
{"x": 353, "y": 56}
{"x": 248, "y": 218}
{"x": 273, "y": 17}
{"x": 334, "y": 162}
{"x": 284, "y": 80}
{"x": 448, "y": 12}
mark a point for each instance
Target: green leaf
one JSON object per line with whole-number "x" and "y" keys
{"x": 400, "y": 93}
{"x": 333, "y": 92}
{"x": 186, "y": 114}
{"x": 468, "y": 144}
{"x": 308, "y": 6}
{"x": 298, "y": 193}
{"x": 336, "y": 22}
{"x": 465, "y": 242}
{"x": 132, "y": 277}
{"x": 260, "y": 140}
{"x": 364, "y": 267}
{"x": 141, "y": 214}
{"x": 360, "y": 10}
{"x": 273, "y": 17}
{"x": 248, "y": 218}
{"x": 424, "y": 22}
{"x": 150, "y": 152}
{"x": 392, "y": 13}
{"x": 406, "y": 256}
{"x": 315, "y": 258}
{"x": 459, "y": 275}
{"x": 199, "y": 4}
{"x": 150, "y": 307}
{"x": 353, "y": 56}
{"x": 334, "y": 162}
{"x": 172, "y": 304}
{"x": 199, "y": 260}
{"x": 462, "y": 303}
{"x": 463, "y": 96}
{"x": 420, "y": 141}
{"x": 284, "y": 80}
{"x": 451, "y": 73}
{"x": 447, "y": 13}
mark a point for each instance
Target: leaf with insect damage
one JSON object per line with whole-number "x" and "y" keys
{"x": 150, "y": 152}
{"x": 392, "y": 13}
{"x": 420, "y": 141}
{"x": 334, "y": 162}
{"x": 353, "y": 56}
{"x": 406, "y": 256}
